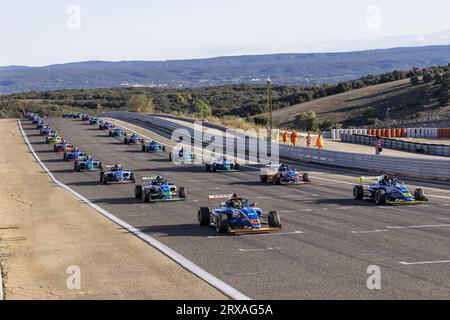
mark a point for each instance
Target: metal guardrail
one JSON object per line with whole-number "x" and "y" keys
{"x": 422, "y": 168}
{"x": 431, "y": 122}
{"x": 401, "y": 145}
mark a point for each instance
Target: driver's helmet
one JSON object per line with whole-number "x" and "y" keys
{"x": 236, "y": 203}
{"x": 385, "y": 179}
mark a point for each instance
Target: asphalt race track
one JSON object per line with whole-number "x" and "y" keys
{"x": 327, "y": 243}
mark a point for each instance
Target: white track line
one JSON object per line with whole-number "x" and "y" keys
{"x": 259, "y": 250}
{"x": 423, "y": 262}
{"x": 257, "y": 234}
{"x": 374, "y": 231}
{"x": 175, "y": 256}
{"x": 417, "y": 227}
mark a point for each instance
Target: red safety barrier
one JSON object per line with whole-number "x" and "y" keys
{"x": 388, "y": 133}
{"x": 404, "y": 133}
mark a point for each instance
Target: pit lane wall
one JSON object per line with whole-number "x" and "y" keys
{"x": 422, "y": 168}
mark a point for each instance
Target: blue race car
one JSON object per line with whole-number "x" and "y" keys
{"x": 117, "y": 174}
{"x": 153, "y": 146}
{"x": 106, "y": 126}
{"x": 95, "y": 121}
{"x": 75, "y": 155}
{"x": 42, "y": 125}
{"x": 222, "y": 165}
{"x": 117, "y": 133}
{"x": 133, "y": 139}
{"x": 72, "y": 115}
{"x": 181, "y": 157}
{"x": 237, "y": 215}
{"x": 88, "y": 165}
{"x": 384, "y": 190}
{"x": 159, "y": 189}
{"x": 86, "y": 117}
{"x": 46, "y": 132}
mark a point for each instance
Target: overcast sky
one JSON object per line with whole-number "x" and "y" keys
{"x": 56, "y": 31}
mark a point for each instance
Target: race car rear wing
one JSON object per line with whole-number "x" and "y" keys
{"x": 149, "y": 178}
{"x": 362, "y": 179}
{"x": 219, "y": 196}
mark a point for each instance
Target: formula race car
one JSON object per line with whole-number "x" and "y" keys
{"x": 34, "y": 118}
{"x": 117, "y": 133}
{"x": 88, "y": 165}
{"x": 153, "y": 146}
{"x": 54, "y": 139}
{"x": 222, "y": 164}
{"x": 237, "y": 215}
{"x": 283, "y": 174}
{"x": 384, "y": 190}
{"x": 47, "y": 132}
{"x": 95, "y": 121}
{"x": 117, "y": 174}
{"x": 181, "y": 157}
{"x": 105, "y": 126}
{"x": 75, "y": 155}
{"x": 133, "y": 139}
{"x": 41, "y": 125}
{"x": 72, "y": 115}
{"x": 86, "y": 117}
{"x": 158, "y": 189}
{"x": 63, "y": 147}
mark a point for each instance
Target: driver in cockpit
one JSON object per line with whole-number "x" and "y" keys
{"x": 385, "y": 180}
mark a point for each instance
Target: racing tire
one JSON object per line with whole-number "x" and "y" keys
{"x": 100, "y": 165}
{"x": 65, "y": 156}
{"x": 164, "y": 148}
{"x": 143, "y": 148}
{"x": 237, "y": 166}
{"x": 207, "y": 167}
{"x": 214, "y": 168}
{"x": 380, "y": 197}
{"x": 222, "y": 224}
{"x": 110, "y": 134}
{"x": 75, "y": 166}
{"x": 204, "y": 215}
{"x": 99, "y": 127}
{"x": 102, "y": 177}
{"x": 147, "y": 197}
{"x": 54, "y": 148}
{"x": 125, "y": 140}
{"x": 305, "y": 177}
{"x": 138, "y": 192}
{"x": 274, "y": 219}
{"x": 182, "y": 193}
{"x": 132, "y": 177}
{"x": 263, "y": 178}
{"x": 358, "y": 192}
{"x": 170, "y": 157}
{"x": 419, "y": 195}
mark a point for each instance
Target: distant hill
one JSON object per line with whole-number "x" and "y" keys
{"x": 284, "y": 69}
{"x": 404, "y": 100}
